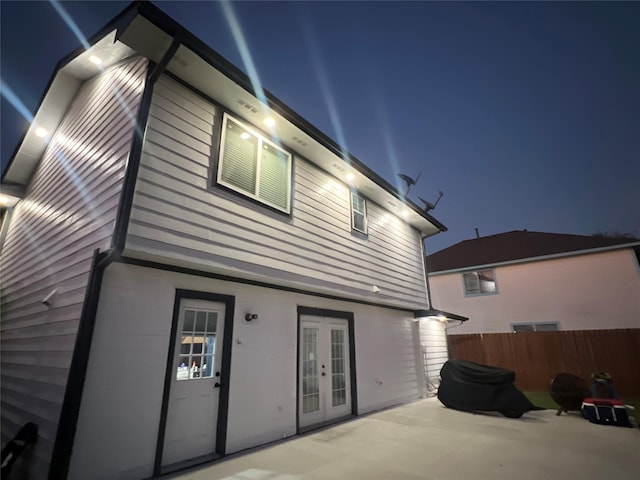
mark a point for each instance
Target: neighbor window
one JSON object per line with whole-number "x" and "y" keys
{"x": 254, "y": 166}
{"x": 479, "y": 283}
{"x": 358, "y": 213}
{"x": 535, "y": 327}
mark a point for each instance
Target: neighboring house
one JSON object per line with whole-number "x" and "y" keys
{"x": 181, "y": 281}
{"x": 533, "y": 281}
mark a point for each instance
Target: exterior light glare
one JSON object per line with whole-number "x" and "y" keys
{"x": 8, "y": 201}
{"x": 350, "y": 176}
{"x": 41, "y": 132}
{"x": 269, "y": 122}
{"x": 95, "y": 60}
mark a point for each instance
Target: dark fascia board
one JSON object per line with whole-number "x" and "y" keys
{"x": 173, "y": 28}
{"x": 118, "y": 22}
{"x": 432, "y": 312}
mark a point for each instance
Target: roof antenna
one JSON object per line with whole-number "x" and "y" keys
{"x": 409, "y": 181}
{"x": 477, "y": 232}
{"x": 430, "y": 206}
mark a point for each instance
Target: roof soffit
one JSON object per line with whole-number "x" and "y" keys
{"x": 140, "y": 34}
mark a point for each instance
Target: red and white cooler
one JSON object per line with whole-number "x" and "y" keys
{"x": 605, "y": 411}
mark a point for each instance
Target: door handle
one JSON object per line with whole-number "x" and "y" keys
{"x": 216, "y": 385}
{"x": 324, "y": 374}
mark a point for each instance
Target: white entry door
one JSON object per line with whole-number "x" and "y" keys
{"x": 324, "y": 391}
{"x": 192, "y": 414}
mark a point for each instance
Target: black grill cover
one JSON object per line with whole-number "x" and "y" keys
{"x": 470, "y": 386}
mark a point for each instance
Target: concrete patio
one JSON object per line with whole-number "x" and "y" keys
{"x": 424, "y": 440}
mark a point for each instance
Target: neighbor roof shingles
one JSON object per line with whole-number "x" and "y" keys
{"x": 511, "y": 246}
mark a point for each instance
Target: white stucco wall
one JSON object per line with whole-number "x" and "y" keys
{"x": 121, "y": 404}
{"x": 584, "y": 292}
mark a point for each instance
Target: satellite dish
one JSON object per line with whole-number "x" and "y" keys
{"x": 430, "y": 206}
{"x": 409, "y": 181}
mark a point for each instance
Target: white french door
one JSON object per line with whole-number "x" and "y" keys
{"x": 192, "y": 415}
{"x": 324, "y": 391}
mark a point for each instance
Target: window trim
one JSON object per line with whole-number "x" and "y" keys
{"x": 480, "y": 294}
{"x": 262, "y": 139}
{"x": 365, "y": 231}
{"x": 534, "y": 324}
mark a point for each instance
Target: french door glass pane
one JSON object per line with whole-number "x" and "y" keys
{"x": 338, "y": 387}
{"x": 310, "y": 380}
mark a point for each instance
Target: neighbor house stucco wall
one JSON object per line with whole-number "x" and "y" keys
{"x": 581, "y": 292}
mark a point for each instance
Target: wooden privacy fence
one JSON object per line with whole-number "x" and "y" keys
{"x": 537, "y": 357}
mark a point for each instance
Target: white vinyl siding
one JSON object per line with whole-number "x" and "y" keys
{"x": 69, "y": 211}
{"x": 433, "y": 337}
{"x": 179, "y": 218}
{"x": 358, "y": 213}
{"x": 253, "y": 166}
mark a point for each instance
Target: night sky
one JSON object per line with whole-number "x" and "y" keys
{"x": 526, "y": 115}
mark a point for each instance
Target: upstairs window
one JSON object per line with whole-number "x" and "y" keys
{"x": 479, "y": 283}
{"x": 254, "y": 166}
{"x": 358, "y": 213}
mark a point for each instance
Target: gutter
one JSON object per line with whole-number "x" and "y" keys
{"x": 70, "y": 412}
{"x": 433, "y": 312}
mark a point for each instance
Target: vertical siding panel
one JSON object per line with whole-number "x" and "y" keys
{"x": 178, "y": 217}
{"x": 68, "y": 211}
{"x": 433, "y": 338}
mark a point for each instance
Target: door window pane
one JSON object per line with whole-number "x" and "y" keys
{"x": 197, "y": 345}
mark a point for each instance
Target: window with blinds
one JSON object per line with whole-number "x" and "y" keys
{"x": 479, "y": 283}
{"x": 254, "y": 166}
{"x": 358, "y": 213}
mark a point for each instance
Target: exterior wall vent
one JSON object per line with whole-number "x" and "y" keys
{"x": 248, "y": 106}
{"x": 299, "y": 142}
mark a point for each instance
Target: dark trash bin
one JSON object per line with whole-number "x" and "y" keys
{"x": 568, "y": 391}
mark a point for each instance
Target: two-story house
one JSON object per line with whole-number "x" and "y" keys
{"x": 525, "y": 281}
{"x": 190, "y": 269}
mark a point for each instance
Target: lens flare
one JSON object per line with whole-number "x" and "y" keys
{"x": 15, "y": 101}
{"x": 70, "y": 23}
{"x": 325, "y": 87}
